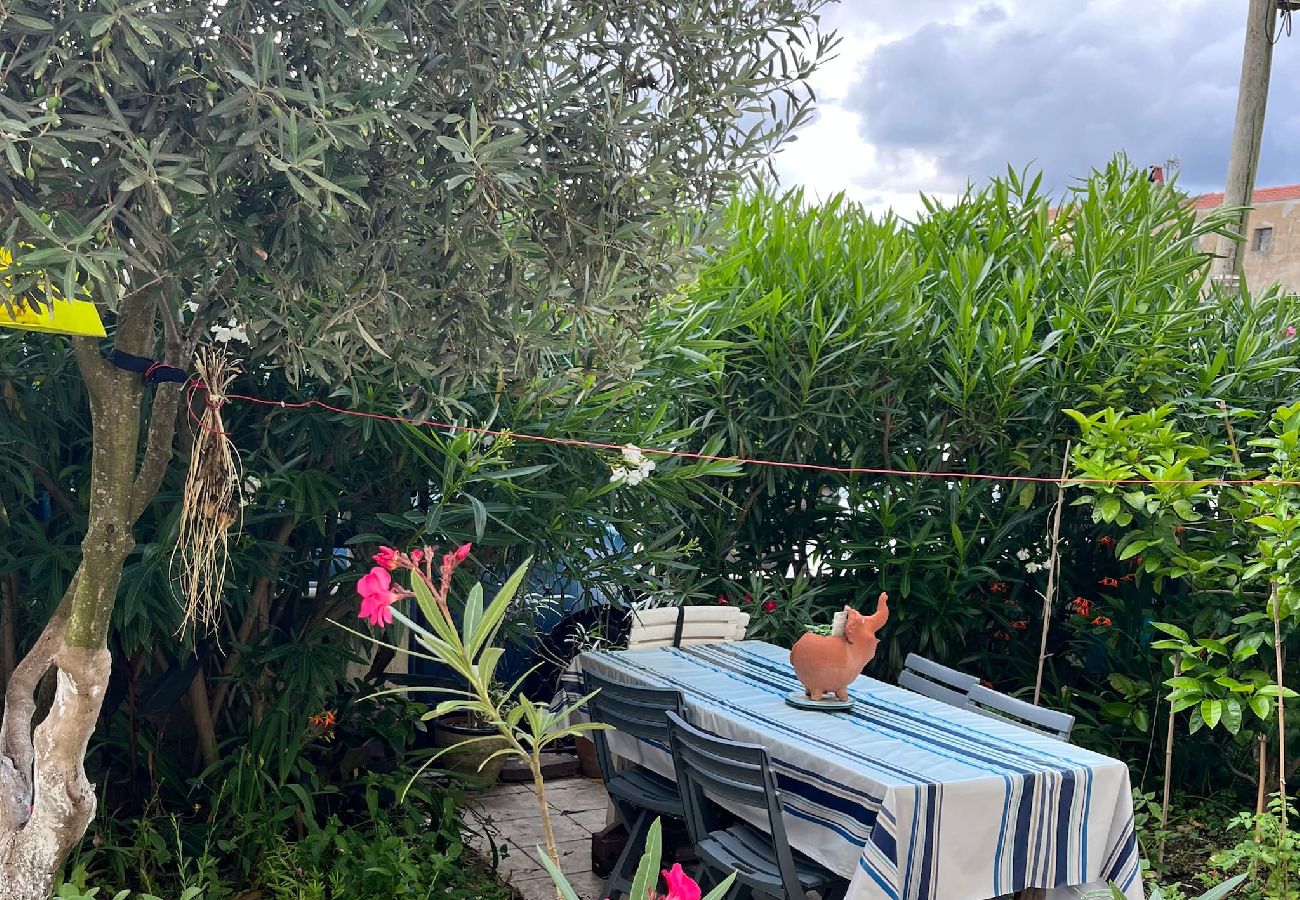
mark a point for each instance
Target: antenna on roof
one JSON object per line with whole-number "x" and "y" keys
{"x": 1172, "y": 166}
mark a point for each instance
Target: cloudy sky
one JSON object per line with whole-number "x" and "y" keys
{"x": 929, "y": 95}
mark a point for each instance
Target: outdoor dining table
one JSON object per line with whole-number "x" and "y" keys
{"x": 907, "y": 797}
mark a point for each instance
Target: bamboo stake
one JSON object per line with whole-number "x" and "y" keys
{"x": 1053, "y": 561}
{"x": 1281, "y": 716}
{"x": 1261, "y": 792}
{"x": 1169, "y": 762}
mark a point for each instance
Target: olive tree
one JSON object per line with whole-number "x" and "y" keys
{"x": 362, "y": 193}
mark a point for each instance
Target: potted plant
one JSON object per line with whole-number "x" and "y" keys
{"x": 471, "y": 747}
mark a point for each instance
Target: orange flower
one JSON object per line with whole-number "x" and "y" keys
{"x": 1021, "y": 625}
{"x": 1001, "y": 636}
{"x": 323, "y": 719}
{"x": 998, "y": 587}
{"x": 1106, "y": 541}
{"x": 1081, "y": 605}
{"x": 1109, "y": 582}
{"x": 986, "y": 683}
{"x": 1137, "y": 561}
{"x": 1102, "y": 621}
{"x": 1127, "y": 578}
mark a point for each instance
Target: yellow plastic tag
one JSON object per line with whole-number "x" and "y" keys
{"x": 57, "y": 316}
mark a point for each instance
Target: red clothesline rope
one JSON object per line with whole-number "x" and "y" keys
{"x": 738, "y": 460}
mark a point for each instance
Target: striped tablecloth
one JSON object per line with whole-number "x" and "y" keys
{"x": 909, "y": 798}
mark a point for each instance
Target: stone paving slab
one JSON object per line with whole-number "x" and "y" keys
{"x": 508, "y": 816}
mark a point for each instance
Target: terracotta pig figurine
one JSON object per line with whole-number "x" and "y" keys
{"x": 827, "y": 664}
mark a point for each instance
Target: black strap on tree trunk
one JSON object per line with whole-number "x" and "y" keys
{"x": 681, "y": 622}
{"x": 153, "y": 372}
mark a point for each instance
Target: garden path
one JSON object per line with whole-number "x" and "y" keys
{"x": 507, "y": 817}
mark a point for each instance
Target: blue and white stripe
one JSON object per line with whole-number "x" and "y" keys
{"x": 908, "y": 797}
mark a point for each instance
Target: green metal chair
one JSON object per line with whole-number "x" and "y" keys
{"x": 639, "y": 795}
{"x": 765, "y": 865}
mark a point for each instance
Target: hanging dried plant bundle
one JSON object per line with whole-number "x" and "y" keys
{"x": 212, "y": 501}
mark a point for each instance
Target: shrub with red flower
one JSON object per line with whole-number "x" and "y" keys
{"x": 1020, "y": 625}
{"x": 1102, "y": 622}
{"x": 1109, "y": 582}
{"x": 324, "y": 719}
{"x": 1082, "y": 606}
{"x": 722, "y": 601}
{"x": 998, "y": 587}
{"x": 1106, "y": 541}
{"x": 1001, "y": 636}
{"x": 769, "y": 606}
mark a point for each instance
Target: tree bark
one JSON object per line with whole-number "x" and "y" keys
{"x": 46, "y": 800}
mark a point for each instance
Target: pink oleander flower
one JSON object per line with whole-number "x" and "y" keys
{"x": 387, "y": 557}
{"x": 1290, "y": 331}
{"x": 456, "y": 557}
{"x": 417, "y": 556}
{"x": 680, "y": 885}
{"x": 769, "y": 606}
{"x": 377, "y": 596}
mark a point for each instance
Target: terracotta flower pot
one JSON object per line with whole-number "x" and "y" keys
{"x": 588, "y": 763}
{"x": 469, "y": 760}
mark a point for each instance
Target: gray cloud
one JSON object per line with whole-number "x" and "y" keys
{"x": 1062, "y": 85}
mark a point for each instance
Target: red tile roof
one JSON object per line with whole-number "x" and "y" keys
{"x": 1262, "y": 195}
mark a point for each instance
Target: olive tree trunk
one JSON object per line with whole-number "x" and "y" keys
{"x": 46, "y": 800}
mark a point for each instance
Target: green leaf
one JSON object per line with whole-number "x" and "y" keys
{"x": 33, "y": 23}
{"x": 496, "y": 611}
{"x": 480, "y": 516}
{"x": 1173, "y": 630}
{"x": 561, "y": 882}
{"x": 1261, "y": 707}
{"x": 1212, "y": 711}
{"x": 1231, "y": 715}
{"x": 1218, "y": 892}
{"x": 646, "y": 878}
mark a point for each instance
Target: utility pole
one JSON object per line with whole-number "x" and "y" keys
{"x": 1248, "y": 132}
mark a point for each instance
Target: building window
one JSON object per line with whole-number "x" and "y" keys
{"x": 1261, "y": 240}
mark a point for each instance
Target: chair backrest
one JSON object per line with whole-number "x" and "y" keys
{"x": 933, "y": 680}
{"x": 637, "y": 712}
{"x": 712, "y": 767}
{"x": 682, "y": 626}
{"x": 1035, "y": 718}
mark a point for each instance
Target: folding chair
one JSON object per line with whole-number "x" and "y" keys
{"x": 684, "y": 626}
{"x": 1034, "y": 718}
{"x": 711, "y": 767}
{"x": 935, "y": 681}
{"x": 639, "y": 795}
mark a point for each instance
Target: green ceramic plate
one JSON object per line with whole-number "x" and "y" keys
{"x": 830, "y": 704}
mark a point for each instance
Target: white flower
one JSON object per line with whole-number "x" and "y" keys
{"x": 1031, "y": 568}
{"x": 634, "y": 467}
{"x": 192, "y": 306}
{"x": 232, "y": 331}
{"x": 1022, "y": 555}
{"x": 252, "y": 484}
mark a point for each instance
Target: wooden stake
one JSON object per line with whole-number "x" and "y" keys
{"x": 1053, "y": 562}
{"x": 1169, "y": 762}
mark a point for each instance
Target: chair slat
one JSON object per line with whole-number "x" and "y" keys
{"x": 1035, "y": 718}
{"x": 931, "y": 689}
